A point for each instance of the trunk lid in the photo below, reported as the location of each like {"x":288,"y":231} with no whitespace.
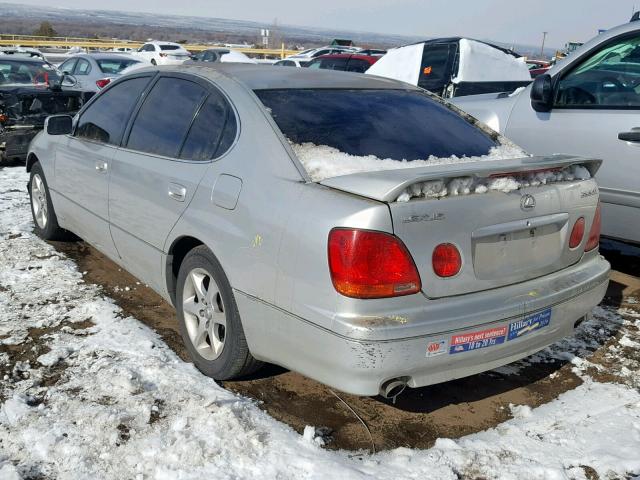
{"x":503,"y":237}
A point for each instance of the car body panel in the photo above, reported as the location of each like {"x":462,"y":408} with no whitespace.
{"x":577,"y":131}
{"x":272,"y":244}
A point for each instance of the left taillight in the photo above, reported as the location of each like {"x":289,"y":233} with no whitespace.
{"x":103,"y":82}
{"x":370,"y":264}
{"x":594,"y":233}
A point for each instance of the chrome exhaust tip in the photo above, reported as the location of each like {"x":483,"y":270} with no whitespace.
{"x":392,"y":388}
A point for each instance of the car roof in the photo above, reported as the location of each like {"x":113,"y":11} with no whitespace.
{"x":261,"y":77}
{"x":368,"y":58}
{"x":594,"y":43}
{"x":105,"y":56}
{"x":20,"y":58}
{"x":457,"y":39}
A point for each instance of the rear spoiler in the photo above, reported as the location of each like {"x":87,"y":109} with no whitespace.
{"x":388,"y":185}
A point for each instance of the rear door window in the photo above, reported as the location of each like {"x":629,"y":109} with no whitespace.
{"x":329,"y":63}
{"x":436,"y":66}
{"x":357,"y":65}
{"x":104,"y":120}
{"x":165,"y":116}
{"x":207,"y":130}
{"x":388,"y":124}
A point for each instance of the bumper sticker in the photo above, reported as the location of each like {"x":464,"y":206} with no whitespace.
{"x":529,"y":324}
{"x":475,"y":340}
{"x":436,"y":348}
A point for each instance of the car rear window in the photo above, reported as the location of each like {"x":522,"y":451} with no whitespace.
{"x":115,"y":65}
{"x":169,"y":47}
{"x":15,"y":72}
{"x":388,"y":124}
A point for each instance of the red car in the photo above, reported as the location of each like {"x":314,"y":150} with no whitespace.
{"x":538,"y":67}
{"x":347,"y":62}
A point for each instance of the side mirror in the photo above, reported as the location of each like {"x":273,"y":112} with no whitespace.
{"x":542,"y":93}
{"x":59,"y":124}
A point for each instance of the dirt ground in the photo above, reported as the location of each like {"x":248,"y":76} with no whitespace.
{"x":416,"y":420}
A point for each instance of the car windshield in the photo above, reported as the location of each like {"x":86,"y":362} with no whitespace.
{"x":115,"y":65}
{"x":16,"y":72}
{"x":170,"y":47}
{"x":386,"y":124}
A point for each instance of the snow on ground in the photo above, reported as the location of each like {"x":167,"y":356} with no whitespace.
{"x":89,"y":393}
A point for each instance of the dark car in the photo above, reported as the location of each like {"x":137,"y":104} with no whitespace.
{"x":345,"y":62}
{"x":455,"y":67}
{"x":29,"y":92}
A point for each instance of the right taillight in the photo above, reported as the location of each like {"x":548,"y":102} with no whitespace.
{"x":446,"y":260}
{"x":369,"y":264}
{"x":577,"y":233}
{"x":594,"y":233}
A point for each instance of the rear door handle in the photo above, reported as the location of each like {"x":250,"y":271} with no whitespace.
{"x":177,"y":192}
{"x":101,"y":167}
{"x":632,"y":136}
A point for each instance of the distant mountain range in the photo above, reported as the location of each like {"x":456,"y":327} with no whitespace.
{"x":71,"y":22}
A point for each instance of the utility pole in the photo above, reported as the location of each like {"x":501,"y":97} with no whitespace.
{"x":544,"y":37}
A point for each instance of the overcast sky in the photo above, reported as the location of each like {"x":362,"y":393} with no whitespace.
{"x":500,"y":20}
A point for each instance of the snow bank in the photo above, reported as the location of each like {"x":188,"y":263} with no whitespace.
{"x":236,"y":57}
{"x":322,"y":161}
{"x":480,"y":62}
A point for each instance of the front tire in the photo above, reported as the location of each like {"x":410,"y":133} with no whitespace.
{"x":44,"y":216}
{"x":208,"y":318}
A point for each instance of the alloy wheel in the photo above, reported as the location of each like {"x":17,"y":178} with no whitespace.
{"x":39,"y":201}
{"x":204,"y":313}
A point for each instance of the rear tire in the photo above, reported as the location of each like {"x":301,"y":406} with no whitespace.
{"x":208,"y":318}
{"x":44,"y":216}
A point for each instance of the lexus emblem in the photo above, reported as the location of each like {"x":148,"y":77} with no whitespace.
{"x":527,"y":202}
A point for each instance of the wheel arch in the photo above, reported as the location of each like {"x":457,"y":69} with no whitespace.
{"x":179,"y":249}
{"x":31,"y":160}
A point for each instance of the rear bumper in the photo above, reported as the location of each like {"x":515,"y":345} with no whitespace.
{"x":359,"y":366}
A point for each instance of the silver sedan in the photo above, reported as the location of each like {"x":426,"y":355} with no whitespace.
{"x":373,"y":239}
{"x":91,"y":72}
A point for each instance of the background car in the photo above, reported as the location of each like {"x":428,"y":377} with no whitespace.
{"x":29,"y":92}
{"x":163,"y":53}
{"x":223,"y":55}
{"x":537,"y":67}
{"x":454,"y":67}
{"x":588,"y":104}
{"x":312,"y":53}
{"x":281,"y":235}
{"x":22,"y":51}
{"x":292,"y":62}
{"x":94,"y":71}
{"x":348,"y":62}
